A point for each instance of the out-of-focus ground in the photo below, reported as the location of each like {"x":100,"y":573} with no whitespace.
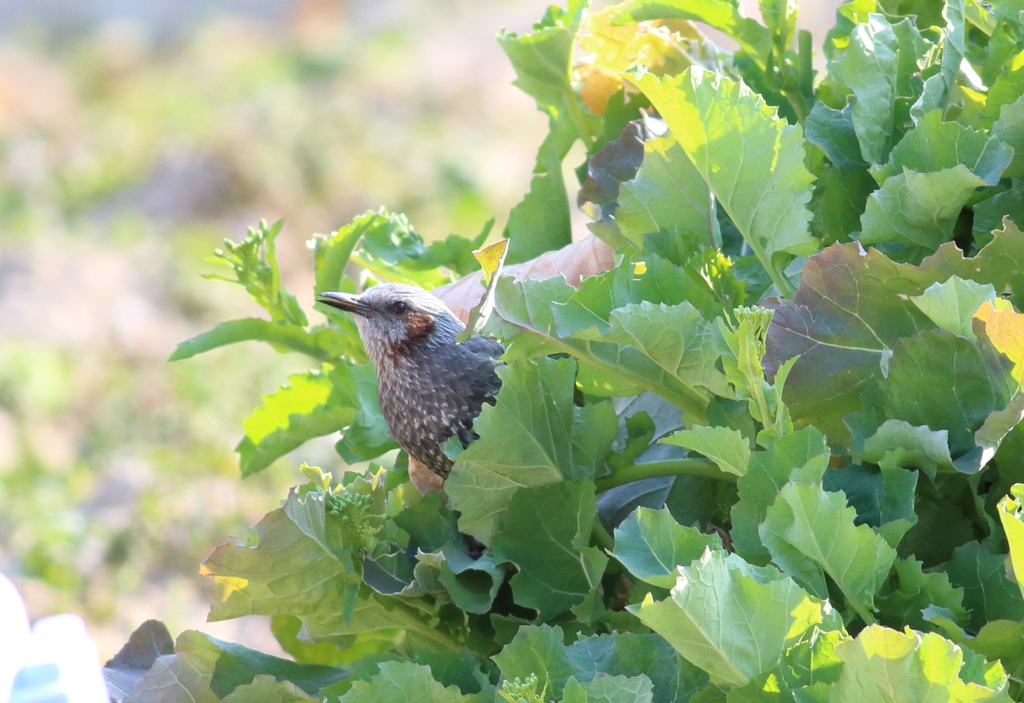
{"x":134,"y":136}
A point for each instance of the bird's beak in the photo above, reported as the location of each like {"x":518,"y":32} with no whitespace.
{"x":345,"y":301}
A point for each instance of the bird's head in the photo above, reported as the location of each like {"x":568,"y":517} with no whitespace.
{"x":394,"y":319}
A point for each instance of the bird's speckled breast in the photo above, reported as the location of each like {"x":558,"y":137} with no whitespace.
{"x":430,"y":395}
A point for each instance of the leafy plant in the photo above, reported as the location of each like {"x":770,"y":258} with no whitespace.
{"x":679,"y":496}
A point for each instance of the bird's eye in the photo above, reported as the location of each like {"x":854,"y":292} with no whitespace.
{"x":399,"y":307}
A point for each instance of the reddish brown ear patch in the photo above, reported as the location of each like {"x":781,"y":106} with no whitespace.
{"x":418,"y":326}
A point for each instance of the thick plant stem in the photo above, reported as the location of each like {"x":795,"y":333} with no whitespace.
{"x":600,"y":536}
{"x":675,"y":467}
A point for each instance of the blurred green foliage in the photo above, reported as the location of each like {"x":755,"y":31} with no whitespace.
{"x":125,"y":157}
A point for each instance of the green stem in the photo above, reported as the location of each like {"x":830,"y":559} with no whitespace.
{"x":600,"y":536}
{"x":673,"y":467}
{"x":806,"y":65}
{"x":786,"y":289}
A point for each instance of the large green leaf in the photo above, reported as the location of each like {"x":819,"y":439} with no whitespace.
{"x":942,"y":380}
{"x":545,"y":534}
{"x":886,"y":665}
{"x":933,"y":145}
{"x":732,"y":619}
{"x":403,"y":681}
{"x":266,"y":689}
{"x":533,"y":436}
{"x":820,"y":527}
{"x":541,"y":222}
{"x":651,"y":544}
{"x":804,"y":450}
{"x":850,"y":311}
{"x":988,"y":594}
{"x":301,"y":566}
{"x":883,"y":499}
{"x":668,"y":193}
{"x":880,"y":66}
{"x":542,"y":651}
{"x":999,"y":263}
{"x":904,"y":602}
{"x":669,"y":350}
{"x":311,"y":405}
{"x":752,"y":160}
{"x":610,"y":689}
{"x":918,"y":209}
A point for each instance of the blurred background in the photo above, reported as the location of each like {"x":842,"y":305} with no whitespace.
{"x":135,"y":135}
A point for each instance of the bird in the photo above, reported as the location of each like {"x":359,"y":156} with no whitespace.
{"x":430,"y":387}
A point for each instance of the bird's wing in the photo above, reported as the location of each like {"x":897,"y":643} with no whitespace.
{"x":486,"y":346}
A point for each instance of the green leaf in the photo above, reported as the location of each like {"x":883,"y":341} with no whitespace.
{"x":331,"y":252}
{"x":1000,"y":263}
{"x":1009,"y":129}
{"x":902,"y":603}
{"x":988,"y":594}
{"x":898,"y":444}
{"x":820,"y":527}
{"x":752,"y":160}
{"x":311,"y":405}
{"x":937,"y":88}
{"x":933,"y":145}
{"x":676,"y":338}
{"x":668,"y":193}
{"x":651,"y":544}
{"x":849,"y":313}
{"x":918,"y":209}
{"x":300,"y":566}
{"x":989,"y":214}
{"x":804,"y":450}
{"x":727,"y":447}
{"x":616,"y":689}
{"x":323,"y":344}
{"x":541,"y":221}
{"x":545,"y":534}
{"x":951,"y":305}
{"x":541,"y":651}
{"x":266,"y":689}
{"x":879,"y":66}
{"x":884,"y":500}
{"x":538,"y":650}
{"x":631,"y":655}
{"x":404,"y":681}
{"x":1013,"y":524}
{"x":533,"y":436}
{"x":184,"y":677}
{"x":886,"y":665}
{"x":619,"y":368}
{"x":724,"y":16}
{"x":832,"y":131}
{"x":732,"y":619}
{"x":1007,"y":88}
{"x":942,"y":380}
